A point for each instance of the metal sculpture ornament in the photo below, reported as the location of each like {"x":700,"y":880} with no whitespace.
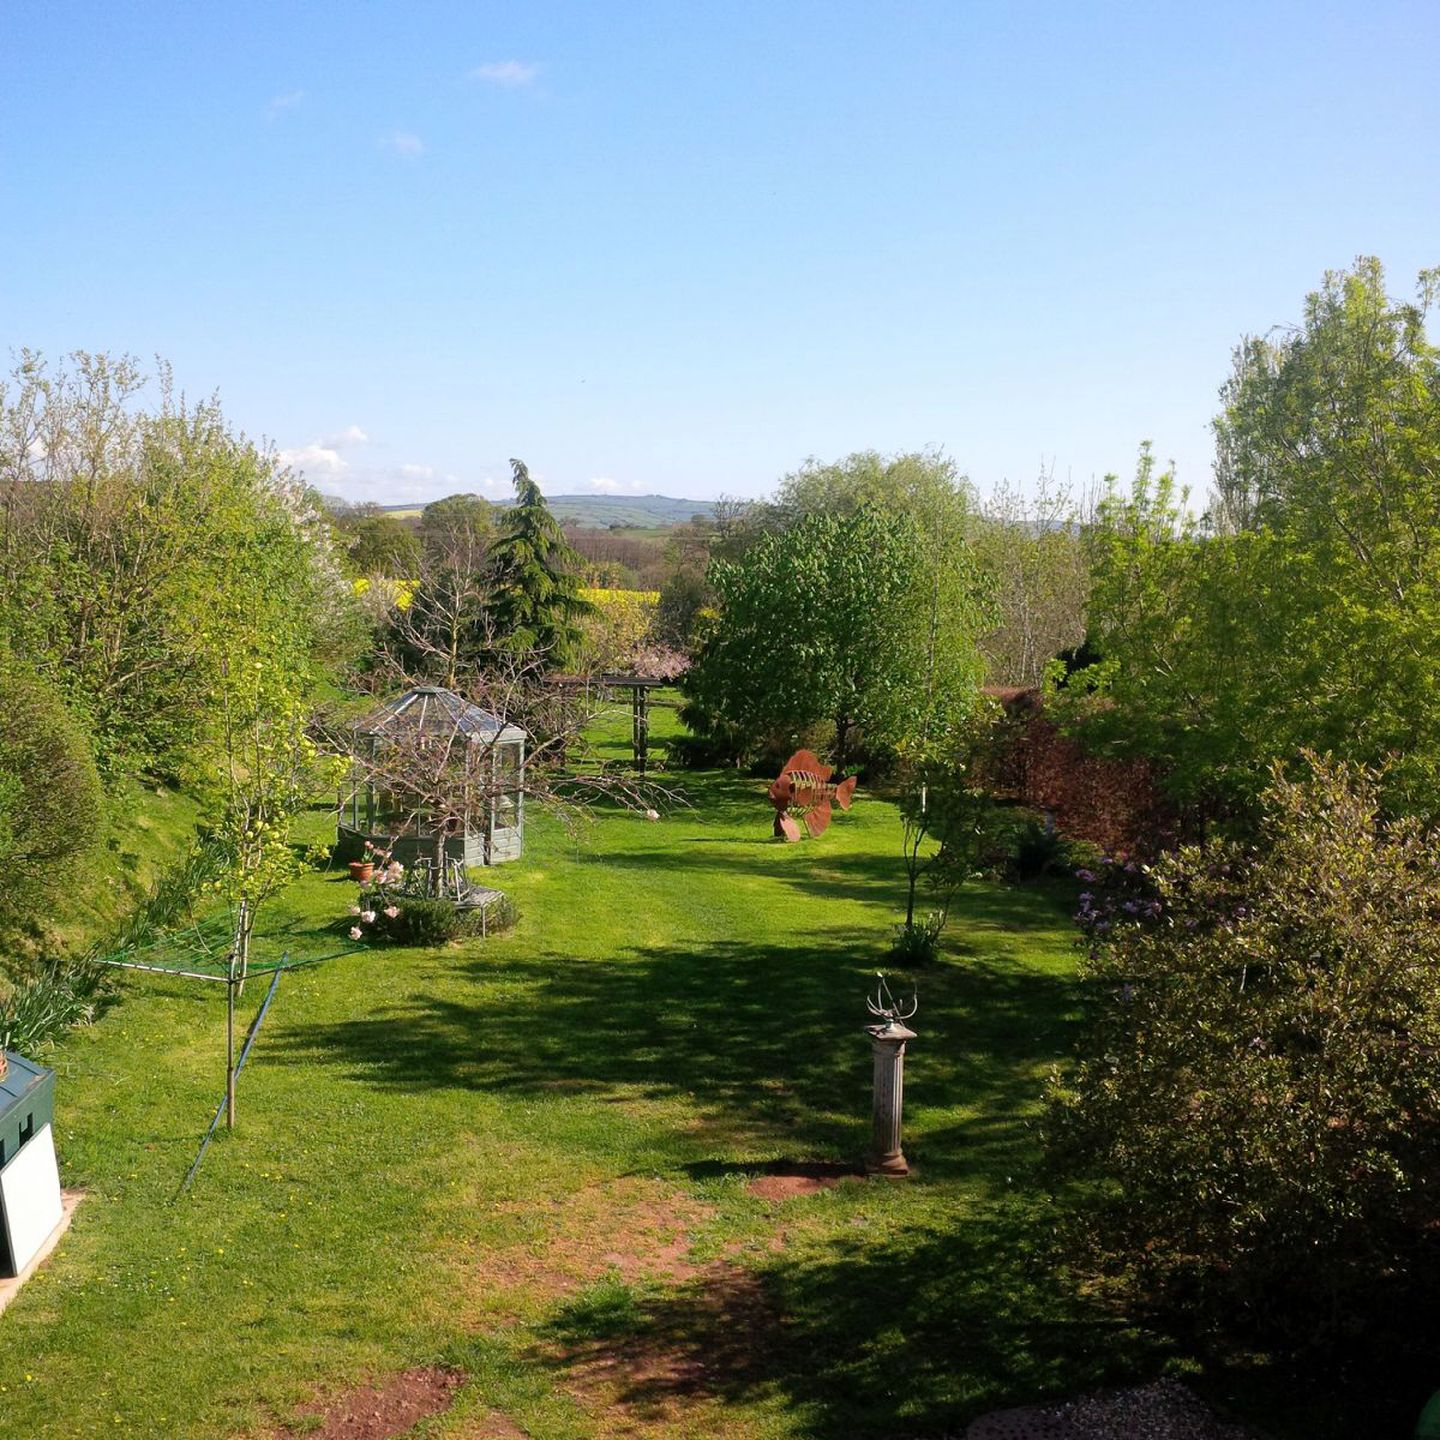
{"x":804,"y":790}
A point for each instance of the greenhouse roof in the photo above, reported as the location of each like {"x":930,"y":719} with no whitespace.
{"x":431,"y":710}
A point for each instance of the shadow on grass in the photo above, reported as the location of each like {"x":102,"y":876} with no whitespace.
{"x":911,"y":1327}
{"x":909,"y":1334}
{"x":763,"y":1040}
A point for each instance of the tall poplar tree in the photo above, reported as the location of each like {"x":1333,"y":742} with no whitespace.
{"x":536,"y":604}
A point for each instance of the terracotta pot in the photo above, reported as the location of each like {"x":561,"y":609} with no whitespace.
{"x":361,"y":871}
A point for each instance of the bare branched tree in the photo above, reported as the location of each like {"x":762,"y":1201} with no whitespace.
{"x":440,"y":777}
{"x":439,"y":627}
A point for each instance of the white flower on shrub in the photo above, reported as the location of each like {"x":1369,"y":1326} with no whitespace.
{"x":367,"y":917}
{"x":354,"y":932}
{"x":652,"y":814}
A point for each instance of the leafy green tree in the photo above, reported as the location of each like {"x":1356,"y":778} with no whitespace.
{"x":838,"y":619}
{"x":535,"y":601}
{"x":455,"y":532}
{"x":1304,"y":614}
{"x":946,"y":607}
{"x":923,"y":485}
{"x":383,"y":545}
{"x":1252,"y":1134}
{"x":124,"y":532}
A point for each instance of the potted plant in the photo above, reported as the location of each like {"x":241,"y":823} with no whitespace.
{"x":361,"y":871}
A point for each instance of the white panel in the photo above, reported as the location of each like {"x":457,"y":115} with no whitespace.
{"x":30,"y":1197}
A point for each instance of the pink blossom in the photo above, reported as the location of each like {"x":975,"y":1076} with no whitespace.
{"x":652,"y":814}
{"x":354,"y":909}
{"x":392,"y":911}
{"x":368,"y":917}
{"x":354,"y":932}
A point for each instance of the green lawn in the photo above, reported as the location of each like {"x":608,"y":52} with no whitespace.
{"x":527,"y":1158}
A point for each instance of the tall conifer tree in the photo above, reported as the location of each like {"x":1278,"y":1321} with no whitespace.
{"x":536,"y":603}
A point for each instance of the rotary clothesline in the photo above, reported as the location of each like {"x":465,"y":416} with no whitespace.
{"x":217,"y":949}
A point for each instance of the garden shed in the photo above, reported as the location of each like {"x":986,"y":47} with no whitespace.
{"x":430,"y":764}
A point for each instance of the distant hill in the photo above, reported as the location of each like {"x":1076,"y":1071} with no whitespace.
{"x":649,"y":512}
{"x":646,"y":512}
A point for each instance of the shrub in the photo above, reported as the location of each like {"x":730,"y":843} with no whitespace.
{"x":422,"y":920}
{"x":918,"y":942}
{"x":51,"y":803}
{"x":1256,"y":1121}
{"x":1037,"y":849}
{"x":419,"y":920}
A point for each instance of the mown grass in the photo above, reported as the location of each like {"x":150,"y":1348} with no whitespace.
{"x":528,"y":1158}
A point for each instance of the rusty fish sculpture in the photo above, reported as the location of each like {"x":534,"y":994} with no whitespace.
{"x":804,"y":789}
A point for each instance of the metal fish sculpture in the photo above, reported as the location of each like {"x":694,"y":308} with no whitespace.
{"x":804,"y":787}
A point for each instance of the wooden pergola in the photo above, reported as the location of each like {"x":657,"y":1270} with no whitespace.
{"x":638,"y":688}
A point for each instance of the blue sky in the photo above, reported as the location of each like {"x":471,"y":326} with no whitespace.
{"x":677,"y":248}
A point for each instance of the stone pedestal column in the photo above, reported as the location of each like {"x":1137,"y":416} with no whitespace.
{"x":888,"y":1044}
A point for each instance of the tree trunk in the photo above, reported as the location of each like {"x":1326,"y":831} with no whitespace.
{"x":437,"y":878}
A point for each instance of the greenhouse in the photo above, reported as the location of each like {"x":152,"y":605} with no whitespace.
{"x":430,"y":766}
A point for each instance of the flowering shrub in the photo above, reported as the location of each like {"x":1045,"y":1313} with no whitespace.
{"x":659,"y":661}
{"x":618,"y":626}
{"x":1118,"y":893}
{"x":381,"y":898}
{"x":395,"y":908}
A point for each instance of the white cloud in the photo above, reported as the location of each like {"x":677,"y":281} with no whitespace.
{"x":338,"y":466}
{"x":511,"y":74}
{"x":404,"y":143}
{"x":604,"y":485}
{"x":316,"y":462}
{"x":281,"y":103}
{"x":350,"y":464}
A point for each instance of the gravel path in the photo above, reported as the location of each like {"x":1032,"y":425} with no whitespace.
{"x":1164,"y":1410}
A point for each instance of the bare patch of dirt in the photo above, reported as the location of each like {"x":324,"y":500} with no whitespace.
{"x":383,"y":1411}
{"x":711,"y":1341}
{"x":786,"y":1179}
{"x":640,"y":1229}
{"x":496,"y":1427}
